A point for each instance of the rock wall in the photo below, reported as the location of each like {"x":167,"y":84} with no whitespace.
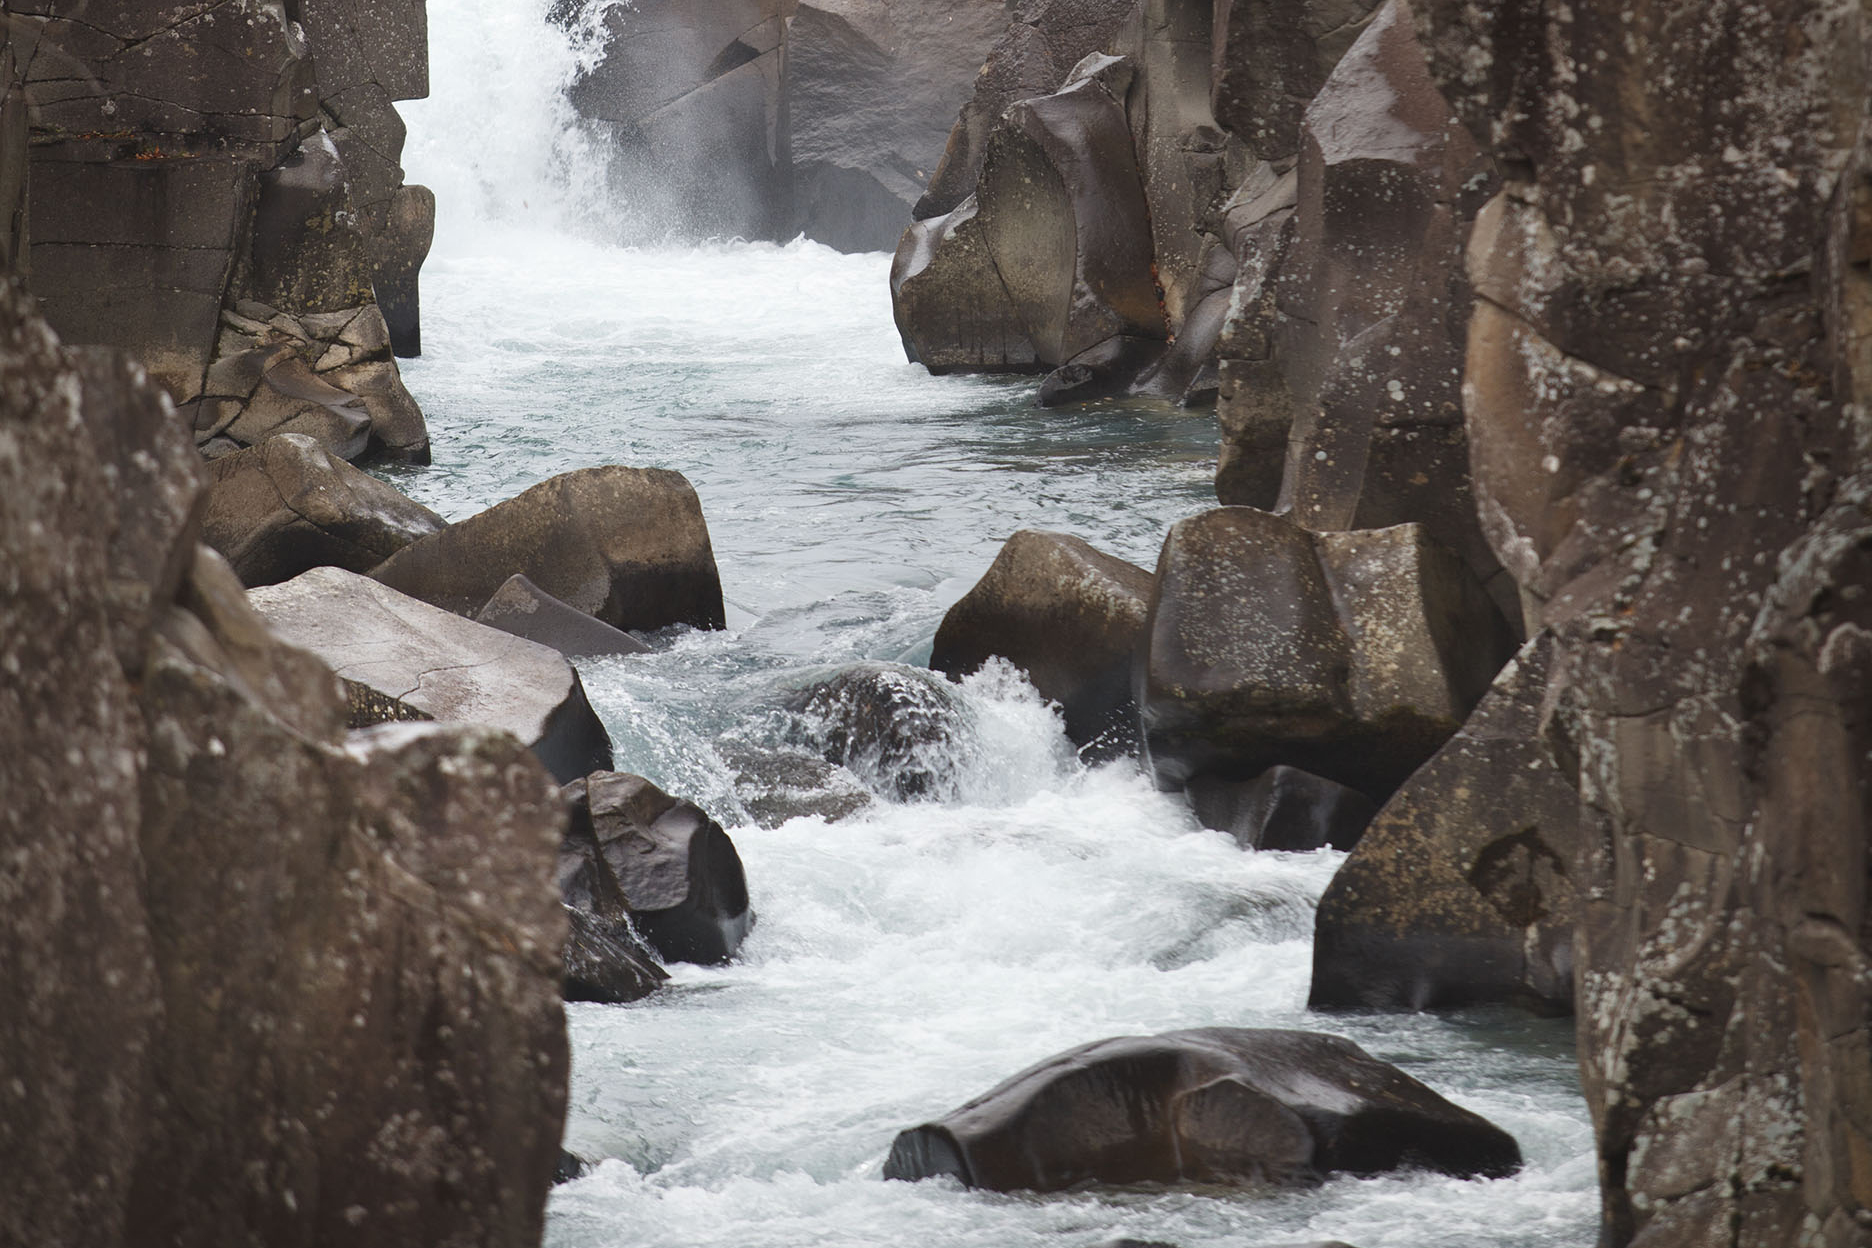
{"x":1664,"y":387}
{"x":205,"y":160}
{"x":266,"y":983}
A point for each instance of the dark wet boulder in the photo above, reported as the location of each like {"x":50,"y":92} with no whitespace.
{"x":665,"y":860}
{"x":607,"y":963}
{"x":1462,"y":890}
{"x":778,"y":784}
{"x":524,"y":609}
{"x":952,"y":311}
{"x":1100,"y":371}
{"x":571,"y":1166}
{"x":1352,"y":656}
{"x":627,"y":545}
{"x":892,"y":726}
{"x":1209,"y":1105}
{"x":445,"y":666}
{"x":289,"y":505}
{"x":1282,"y":808}
{"x":1066,"y":614}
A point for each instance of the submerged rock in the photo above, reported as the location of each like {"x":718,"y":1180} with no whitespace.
{"x":1214,"y":1105}
{"x":1067,"y":615}
{"x":444,"y":666}
{"x":778,"y":784}
{"x":627,"y":545}
{"x":664,"y":860}
{"x":892,"y":726}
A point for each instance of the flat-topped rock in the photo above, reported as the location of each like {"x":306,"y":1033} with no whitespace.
{"x":1209,"y":1105}
{"x":447,"y":667}
{"x":627,"y":545}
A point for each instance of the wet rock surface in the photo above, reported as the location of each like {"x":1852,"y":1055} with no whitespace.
{"x":1067,"y":615}
{"x":524,"y":609}
{"x":444,"y":666}
{"x":626,"y":545}
{"x":1214,"y":1104}
{"x":892,"y":726}
{"x":1282,"y":808}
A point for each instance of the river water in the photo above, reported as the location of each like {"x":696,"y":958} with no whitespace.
{"x":909,"y":957}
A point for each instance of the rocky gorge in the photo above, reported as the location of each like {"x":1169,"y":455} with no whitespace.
{"x":1518,"y":651}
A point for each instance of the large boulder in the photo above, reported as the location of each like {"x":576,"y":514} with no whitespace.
{"x":627,"y":545}
{"x":872,"y":87}
{"x":1067,"y":615}
{"x":445,"y":666}
{"x":1063,"y":224}
{"x":1461,"y":891}
{"x":1209,"y":1105}
{"x":952,"y":309}
{"x":1666,"y":424}
{"x":288,"y":505}
{"x":1352,"y":656}
{"x":669,"y":864}
{"x":524,"y":609}
{"x":265,"y":984}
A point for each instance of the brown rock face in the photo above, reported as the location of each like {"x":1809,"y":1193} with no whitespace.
{"x":1353,"y":656}
{"x":627,"y":545}
{"x":1664,"y":384}
{"x":1271,"y":57}
{"x":266,"y":985}
{"x":1214,"y":1104}
{"x":1067,"y":615}
{"x":1461,"y":890}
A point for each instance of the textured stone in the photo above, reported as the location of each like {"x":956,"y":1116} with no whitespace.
{"x":1214,"y":1105}
{"x":627,"y":545}
{"x":445,"y":666}
{"x":1271,"y":57}
{"x":524,"y":609}
{"x":891,"y":726}
{"x":1067,"y":615}
{"x":288,"y":505}
{"x":1282,"y":808}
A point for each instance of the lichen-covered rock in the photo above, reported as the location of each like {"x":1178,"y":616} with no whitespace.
{"x":627,"y":545}
{"x":1352,"y":656}
{"x":1210,"y":1105}
{"x":1664,"y":395}
{"x":669,"y":864}
{"x":1461,"y":890}
{"x":288,"y":505}
{"x":1067,"y":615}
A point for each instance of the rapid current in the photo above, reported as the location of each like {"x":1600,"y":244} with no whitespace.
{"x":909,"y":957}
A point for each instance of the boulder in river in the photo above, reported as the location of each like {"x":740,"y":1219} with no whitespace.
{"x":606,"y":963}
{"x":288,"y":505}
{"x":893,"y":726}
{"x":1067,"y":615}
{"x":671,"y":865}
{"x":1282,"y":808}
{"x":1352,"y":656}
{"x":1208,"y":1105}
{"x":445,"y":666}
{"x":1462,"y":891}
{"x":627,"y":545}
{"x":524,"y":609}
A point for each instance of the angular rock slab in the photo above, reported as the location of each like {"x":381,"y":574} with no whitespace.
{"x":606,"y":965}
{"x":1352,"y":656}
{"x":627,"y":545}
{"x":670,"y":864}
{"x":288,"y":505}
{"x":524,"y":609}
{"x":1461,"y":891}
{"x":1208,"y":1105}
{"x":1066,"y":614}
{"x":447,"y":667}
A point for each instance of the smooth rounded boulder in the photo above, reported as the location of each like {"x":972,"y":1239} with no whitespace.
{"x":1209,"y":1105}
{"x":669,"y":863}
{"x":447,"y":667}
{"x":524,"y":609}
{"x":1352,"y":656}
{"x":289,"y":505}
{"x":627,"y":545}
{"x":1066,"y":614}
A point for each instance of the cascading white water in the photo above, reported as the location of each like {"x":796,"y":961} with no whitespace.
{"x":913,"y":955}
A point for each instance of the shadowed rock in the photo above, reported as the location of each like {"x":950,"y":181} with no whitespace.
{"x":288,"y":505}
{"x":627,"y":545}
{"x":775,"y":785}
{"x":444,"y":666}
{"x":1209,"y":1105}
{"x":606,"y":965}
{"x":1067,"y":615}
{"x":666,"y":861}
{"x":1461,"y":891}
{"x":1282,"y":808}
{"x":524,"y":609}
{"x":1352,"y":656}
